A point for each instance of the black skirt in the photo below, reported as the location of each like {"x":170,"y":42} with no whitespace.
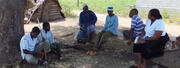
{"x":154,"y":48}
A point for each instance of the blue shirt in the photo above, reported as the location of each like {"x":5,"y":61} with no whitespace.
{"x":111,"y":24}
{"x":137,"y":24}
{"x":27,"y":43}
{"x":47,"y":36}
{"x":84,"y":20}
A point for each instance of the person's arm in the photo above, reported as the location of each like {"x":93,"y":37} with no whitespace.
{"x":131,"y":34}
{"x":28,"y":52}
{"x":156,"y":36}
{"x":94,"y":18}
{"x":80,"y":19}
{"x":25,"y":45}
{"x":116,"y":25}
{"x":133,"y":25}
{"x":51,"y":38}
{"x":32,"y":52}
{"x":106,"y":24}
{"x":39,"y":38}
{"x":160,"y":27}
{"x":143,"y":32}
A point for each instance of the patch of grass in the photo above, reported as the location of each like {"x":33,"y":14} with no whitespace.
{"x":143,"y":15}
{"x":100,"y":6}
{"x":67,"y":7}
{"x":167,"y":17}
{"x":120,"y":8}
{"x":165,"y":14}
{"x":174,"y":18}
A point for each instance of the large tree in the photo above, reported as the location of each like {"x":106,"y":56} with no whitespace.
{"x":11,"y":28}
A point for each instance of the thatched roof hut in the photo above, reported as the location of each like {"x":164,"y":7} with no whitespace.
{"x":45,"y":10}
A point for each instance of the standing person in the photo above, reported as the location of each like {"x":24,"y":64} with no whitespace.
{"x":47,"y":35}
{"x":28,"y":48}
{"x":155,"y":37}
{"x":110,"y":28}
{"x":137,"y":27}
{"x":87,"y":21}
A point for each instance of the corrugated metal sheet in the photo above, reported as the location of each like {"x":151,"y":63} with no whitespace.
{"x":169,"y":5}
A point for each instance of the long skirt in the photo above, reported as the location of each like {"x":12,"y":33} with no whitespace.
{"x":154,"y":48}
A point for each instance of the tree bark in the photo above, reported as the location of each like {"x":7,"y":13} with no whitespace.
{"x":11,"y":29}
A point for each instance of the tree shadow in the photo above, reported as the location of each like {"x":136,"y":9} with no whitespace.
{"x":115,"y":54}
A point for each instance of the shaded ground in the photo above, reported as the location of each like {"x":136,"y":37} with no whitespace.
{"x":113,"y":55}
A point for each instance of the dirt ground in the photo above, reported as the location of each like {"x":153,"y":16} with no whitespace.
{"x":115,"y":53}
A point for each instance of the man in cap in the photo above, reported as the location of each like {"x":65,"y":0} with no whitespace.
{"x":110,"y":28}
{"x":87,"y":21}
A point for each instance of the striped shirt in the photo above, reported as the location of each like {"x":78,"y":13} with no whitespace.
{"x":137,"y":24}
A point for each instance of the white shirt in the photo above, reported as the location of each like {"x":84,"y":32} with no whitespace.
{"x":27,"y":43}
{"x":47,"y":36}
{"x":158,"y":25}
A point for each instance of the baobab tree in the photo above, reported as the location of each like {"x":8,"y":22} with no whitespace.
{"x":11,"y":28}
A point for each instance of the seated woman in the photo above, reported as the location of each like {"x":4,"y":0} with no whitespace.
{"x":154,"y":39}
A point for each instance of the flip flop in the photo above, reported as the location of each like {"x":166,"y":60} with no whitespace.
{"x":90,"y":53}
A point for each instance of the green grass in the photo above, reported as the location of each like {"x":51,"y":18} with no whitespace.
{"x":120,"y":8}
{"x":100,"y":6}
{"x":67,"y":7}
{"x":170,"y":17}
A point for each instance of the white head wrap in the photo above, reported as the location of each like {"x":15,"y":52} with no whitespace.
{"x":84,"y":5}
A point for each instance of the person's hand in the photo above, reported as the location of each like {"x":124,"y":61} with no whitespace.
{"x":140,"y":40}
{"x":43,"y":39}
{"x":129,"y":42}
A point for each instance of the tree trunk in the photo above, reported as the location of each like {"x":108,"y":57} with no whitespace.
{"x":11,"y":29}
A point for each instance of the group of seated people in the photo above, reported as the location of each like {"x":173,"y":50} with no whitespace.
{"x":39,"y":43}
{"x":149,"y":39}
{"x":87,"y":21}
